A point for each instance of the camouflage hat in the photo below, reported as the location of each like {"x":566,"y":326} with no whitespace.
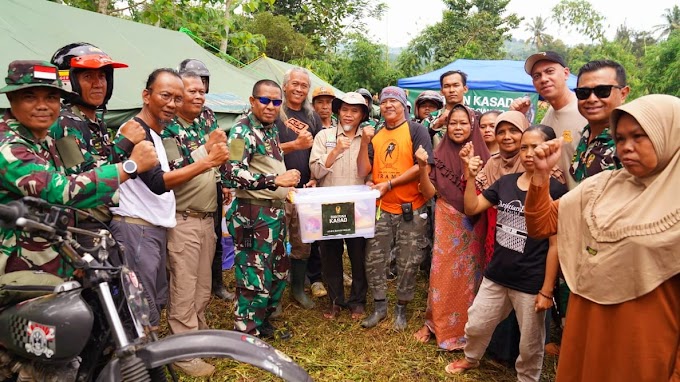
{"x":23,"y":74}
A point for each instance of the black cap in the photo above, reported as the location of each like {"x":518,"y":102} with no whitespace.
{"x":543,"y":56}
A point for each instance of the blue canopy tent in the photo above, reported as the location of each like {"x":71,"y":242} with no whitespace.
{"x":493,"y":84}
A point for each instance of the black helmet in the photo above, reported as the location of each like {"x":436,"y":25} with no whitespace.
{"x":76,"y":57}
{"x":367,"y":95}
{"x":198,"y":67}
{"x":430,"y":95}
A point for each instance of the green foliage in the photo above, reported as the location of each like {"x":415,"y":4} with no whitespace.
{"x":283,"y":42}
{"x":325,"y":22}
{"x":672,"y":16}
{"x":579,"y":16}
{"x":537,"y":27}
{"x":364,"y":64}
{"x":662,"y":66}
{"x":469,"y":29}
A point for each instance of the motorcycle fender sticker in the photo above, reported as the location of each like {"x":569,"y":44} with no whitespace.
{"x":41,"y":339}
{"x":254,"y":341}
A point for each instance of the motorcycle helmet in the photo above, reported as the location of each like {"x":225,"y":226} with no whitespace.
{"x":430,"y":95}
{"x":367,"y":95}
{"x":76,"y":57}
{"x":198,"y":67}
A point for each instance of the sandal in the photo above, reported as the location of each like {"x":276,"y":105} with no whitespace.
{"x":460,"y":366}
{"x":423,"y":335}
{"x":358,"y":312}
{"x":332,"y":313}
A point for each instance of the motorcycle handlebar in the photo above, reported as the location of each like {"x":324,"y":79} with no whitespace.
{"x":11,"y":212}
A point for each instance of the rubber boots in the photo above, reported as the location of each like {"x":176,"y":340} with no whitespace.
{"x":400,"y":321}
{"x":379,"y":314}
{"x":298,"y":271}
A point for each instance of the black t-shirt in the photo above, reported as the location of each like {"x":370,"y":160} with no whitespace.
{"x":518,"y":260}
{"x":298,"y":120}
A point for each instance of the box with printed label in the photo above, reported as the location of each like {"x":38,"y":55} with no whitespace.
{"x":335,"y":212}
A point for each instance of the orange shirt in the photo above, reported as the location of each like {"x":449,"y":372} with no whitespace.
{"x":392,"y":156}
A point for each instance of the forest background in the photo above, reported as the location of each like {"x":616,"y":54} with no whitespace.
{"x":330,"y":37}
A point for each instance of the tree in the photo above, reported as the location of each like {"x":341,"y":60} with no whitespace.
{"x":364,"y":64}
{"x":537,"y":27}
{"x":662,"y":66}
{"x":672,"y":17}
{"x":579,"y":16}
{"x":283,"y":42}
{"x":469,"y":29}
{"x":325,"y":22}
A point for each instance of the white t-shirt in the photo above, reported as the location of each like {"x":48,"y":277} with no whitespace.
{"x":568,"y":123}
{"x":136,"y":200}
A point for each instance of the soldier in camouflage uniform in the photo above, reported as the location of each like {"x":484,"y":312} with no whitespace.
{"x":256,"y":218}
{"x":218,"y":288}
{"x":453,"y":87}
{"x":31,"y":164}
{"x":81,"y":135}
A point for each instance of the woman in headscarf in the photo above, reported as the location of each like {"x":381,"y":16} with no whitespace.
{"x":458,"y":239}
{"x":618,"y":236}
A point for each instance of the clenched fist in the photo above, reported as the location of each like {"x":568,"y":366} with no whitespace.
{"x":218,"y":155}
{"x":216,"y":136}
{"x":144,"y":154}
{"x":304,"y":140}
{"x":133,"y":131}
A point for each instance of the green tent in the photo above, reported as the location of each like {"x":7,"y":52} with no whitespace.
{"x":35,"y":29}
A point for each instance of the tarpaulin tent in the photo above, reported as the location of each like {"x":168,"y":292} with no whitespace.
{"x":492,"y":84}
{"x":35,"y":29}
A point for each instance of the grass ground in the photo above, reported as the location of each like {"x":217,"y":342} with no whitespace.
{"x":343,"y":351}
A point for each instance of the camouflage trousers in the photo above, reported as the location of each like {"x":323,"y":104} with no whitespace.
{"x":411,"y":240}
{"x":260,"y":270}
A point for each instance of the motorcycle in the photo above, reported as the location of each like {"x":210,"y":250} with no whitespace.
{"x":97,"y":328}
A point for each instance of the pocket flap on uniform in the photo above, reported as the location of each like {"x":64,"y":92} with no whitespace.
{"x":69,"y":151}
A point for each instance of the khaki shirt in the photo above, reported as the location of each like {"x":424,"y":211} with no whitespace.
{"x":343,"y":172}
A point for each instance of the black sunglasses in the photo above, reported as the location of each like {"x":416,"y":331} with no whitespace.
{"x":601,"y":91}
{"x":265,"y":101}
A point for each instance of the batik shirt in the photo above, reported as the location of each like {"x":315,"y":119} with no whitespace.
{"x":31,"y":167}
{"x":594,"y":157}
{"x":92,"y":138}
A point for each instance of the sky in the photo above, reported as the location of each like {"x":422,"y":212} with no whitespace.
{"x":406,"y":18}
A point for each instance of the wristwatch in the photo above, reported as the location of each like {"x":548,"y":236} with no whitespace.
{"x":130,"y":168}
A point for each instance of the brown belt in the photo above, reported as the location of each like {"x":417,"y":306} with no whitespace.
{"x":195,"y":214}
{"x":262,"y":202}
{"x":131,"y":220}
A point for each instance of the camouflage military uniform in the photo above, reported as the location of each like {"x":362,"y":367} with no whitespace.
{"x":34,"y":168}
{"x":191,"y":243}
{"x":256,"y":221}
{"x":437,"y":135}
{"x":92,"y":138}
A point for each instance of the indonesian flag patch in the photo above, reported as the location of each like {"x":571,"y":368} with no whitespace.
{"x":44,"y":72}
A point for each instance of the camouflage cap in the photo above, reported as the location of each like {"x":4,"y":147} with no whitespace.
{"x":23,"y":74}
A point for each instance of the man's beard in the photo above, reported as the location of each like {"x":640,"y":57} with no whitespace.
{"x":347,"y":128}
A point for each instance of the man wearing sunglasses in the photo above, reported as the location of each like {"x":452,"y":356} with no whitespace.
{"x":601,"y":88}
{"x":549,"y":74}
{"x":257,"y":218}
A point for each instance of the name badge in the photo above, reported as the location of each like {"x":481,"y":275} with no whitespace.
{"x":331,"y":144}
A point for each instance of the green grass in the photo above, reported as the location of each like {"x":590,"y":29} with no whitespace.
{"x":341,"y":350}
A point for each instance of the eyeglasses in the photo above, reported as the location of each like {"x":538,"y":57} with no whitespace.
{"x":265,"y":101}
{"x":167,"y":97}
{"x":601,"y":91}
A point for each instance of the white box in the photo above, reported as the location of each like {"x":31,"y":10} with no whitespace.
{"x":336,"y":212}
